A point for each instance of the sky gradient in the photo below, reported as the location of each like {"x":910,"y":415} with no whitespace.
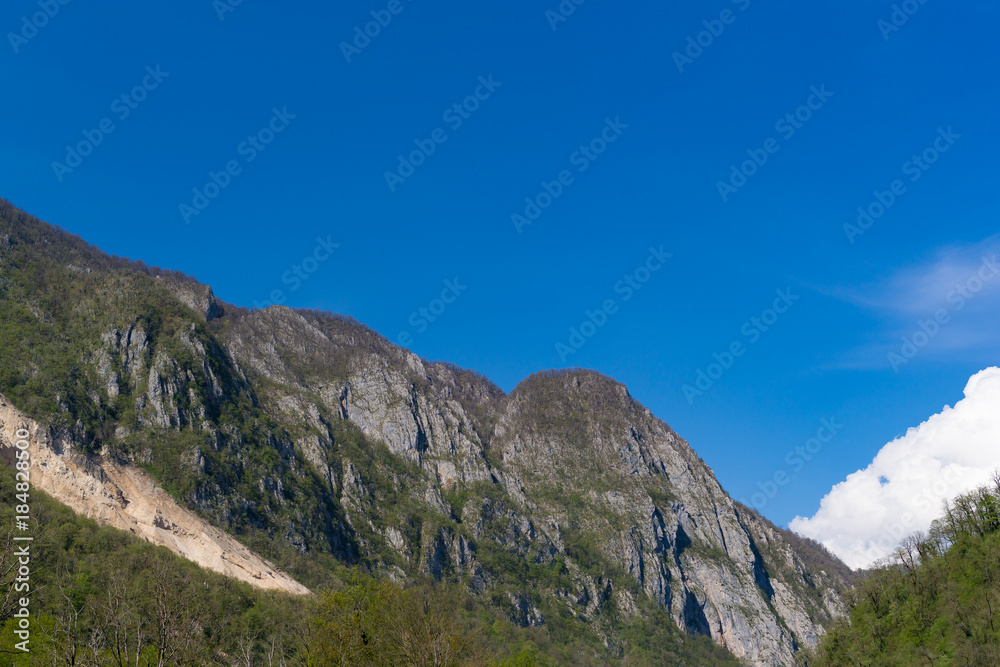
{"x":661,"y":190}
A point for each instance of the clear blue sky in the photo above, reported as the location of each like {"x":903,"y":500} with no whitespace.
{"x":549,"y":93}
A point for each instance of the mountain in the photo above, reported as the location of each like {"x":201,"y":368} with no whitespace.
{"x":280,"y":446}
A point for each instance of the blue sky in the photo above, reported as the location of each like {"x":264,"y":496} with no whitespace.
{"x":626,"y":143}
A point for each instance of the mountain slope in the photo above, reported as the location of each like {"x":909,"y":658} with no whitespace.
{"x":937,"y":602}
{"x":124,"y":497}
{"x":566,"y":504}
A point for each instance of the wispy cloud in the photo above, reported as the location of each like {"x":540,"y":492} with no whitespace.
{"x":960,"y":285}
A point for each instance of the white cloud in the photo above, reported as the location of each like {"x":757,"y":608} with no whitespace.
{"x":863,"y":518}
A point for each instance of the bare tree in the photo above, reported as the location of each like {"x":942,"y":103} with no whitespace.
{"x":246,"y":649}
{"x":120,"y":622}
{"x":908,"y":552}
{"x":8,"y":573}
{"x":176,"y":632}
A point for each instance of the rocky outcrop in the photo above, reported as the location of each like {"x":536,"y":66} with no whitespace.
{"x":565,"y":499}
{"x":569,"y":453}
{"x":124,"y":497}
{"x":195,"y":296}
{"x":656,"y":507}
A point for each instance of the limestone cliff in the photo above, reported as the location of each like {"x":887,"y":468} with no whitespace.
{"x":565,"y":501}
{"x":572,"y":454}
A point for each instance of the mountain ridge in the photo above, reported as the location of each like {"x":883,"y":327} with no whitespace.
{"x":565,"y":502}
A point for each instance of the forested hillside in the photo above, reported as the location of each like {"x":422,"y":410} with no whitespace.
{"x":937,"y":603}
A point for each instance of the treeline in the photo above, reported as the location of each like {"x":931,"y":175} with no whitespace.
{"x":935,"y":602}
{"x":17,"y":227}
{"x":100,"y":596}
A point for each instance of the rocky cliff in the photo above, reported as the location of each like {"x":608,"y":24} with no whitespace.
{"x":564,"y":502}
{"x":124,"y":497}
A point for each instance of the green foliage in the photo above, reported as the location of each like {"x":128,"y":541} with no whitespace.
{"x":58,"y":294}
{"x":99,"y":593}
{"x":660,"y":495}
{"x":457,"y":498}
{"x":63,"y":302}
{"x":938,"y":604}
{"x":650,"y":641}
{"x":374,"y":623}
{"x":708,"y":552}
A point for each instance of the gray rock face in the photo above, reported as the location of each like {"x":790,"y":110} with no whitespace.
{"x":656,"y":506}
{"x":122,"y":357}
{"x":563,"y":499}
{"x":571,"y":455}
{"x":195,"y":296}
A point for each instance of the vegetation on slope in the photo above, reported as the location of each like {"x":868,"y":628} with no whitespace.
{"x":102,"y":597}
{"x":222,"y":456}
{"x":937,"y":603}
{"x":226,"y":456}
